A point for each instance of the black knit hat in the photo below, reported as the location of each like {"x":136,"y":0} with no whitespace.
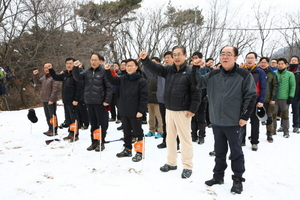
{"x":31,"y":116}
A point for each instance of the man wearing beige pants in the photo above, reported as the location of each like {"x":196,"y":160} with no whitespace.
{"x":182,"y":100}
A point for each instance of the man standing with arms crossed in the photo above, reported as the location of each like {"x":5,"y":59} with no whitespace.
{"x":232,"y":96}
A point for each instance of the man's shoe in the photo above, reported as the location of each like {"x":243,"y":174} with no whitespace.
{"x":278,"y":118}
{"x":186,"y":173}
{"x":111,"y":120}
{"x":212,"y":153}
{"x":70,"y":136}
{"x":167,"y":168}
{"x":144,"y":122}
{"x":286,"y":135}
{"x":84,"y":127}
{"x":138,"y":157}
{"x":120,"y":128}
{"x":254,"y":147}
{"x":213,"y":181}
{"x":50,"y":134}
{"x":98,"y":147}
{"x":125,"y":153}
{"x":280,"y":129}
{"x":295,"y":130}
{"x":162,"y":145}
{"x":270,"y":139}
{"x":194,"y":138}
{"x":92,"y":147}
{"x":133,"y":140}
{"x":118,"y":121}
{"x":237,"y":186}
{"x":243,"y":144}
{"x":63,"y":125}
{"x":74,"y":139}
{"x":201,"y":140}
{"x":158,"y":135}
{"x":45,"y":133}
{"x":150,"y":134}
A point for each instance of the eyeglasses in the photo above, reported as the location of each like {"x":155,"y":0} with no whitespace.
{"x":226,"y":55}
{"x":177,"y":55}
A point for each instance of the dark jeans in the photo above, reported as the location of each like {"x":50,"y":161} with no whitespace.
{"x":132,"y":124}
{"x":98,"y":117}
{"x":231,"y":136}
{"x":198,"y":121}
{"x":254,"y":121}
{"x":50,"y":110}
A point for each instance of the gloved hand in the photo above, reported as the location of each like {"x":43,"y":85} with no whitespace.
{"x":289,"y":100}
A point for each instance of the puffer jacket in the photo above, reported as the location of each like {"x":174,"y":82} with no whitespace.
{"x":97,"y":89}
{"x":133,"y":93}
{"x":49,"y":87}
{"x":287,"y":84}
{"x":180,"y":94}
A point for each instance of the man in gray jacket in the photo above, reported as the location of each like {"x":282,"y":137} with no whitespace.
{"x":232,"y":96}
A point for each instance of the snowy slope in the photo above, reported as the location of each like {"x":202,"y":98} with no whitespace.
{"x":30,"y":169}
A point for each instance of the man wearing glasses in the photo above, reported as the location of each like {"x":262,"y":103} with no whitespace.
{"x":182,"y":100}
{"x":232,"y":95}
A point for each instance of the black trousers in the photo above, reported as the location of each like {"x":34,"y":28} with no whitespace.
{"x":71,"y":114}
{"x":198,"y":123}
{"x":254,"y":121}
{"x":132,"y":124}
{"x":231,"y":136}
{"x":113,"y":106}
{"x":83,"y":113}
{"x":98,"y":117}
{"x":49,"y":111}
{"x":162,"y":109}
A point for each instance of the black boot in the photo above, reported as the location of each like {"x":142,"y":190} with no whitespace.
{"x":93,"y":146}
{"x":125,"y":153}
{"x":237,"y":186}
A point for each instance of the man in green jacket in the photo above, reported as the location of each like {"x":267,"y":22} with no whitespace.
{"x":287,"y":86}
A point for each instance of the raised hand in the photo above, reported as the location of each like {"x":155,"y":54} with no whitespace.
{"x":143,"y":54}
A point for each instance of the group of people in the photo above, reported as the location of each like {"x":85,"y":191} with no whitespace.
{"x":182,"y":99}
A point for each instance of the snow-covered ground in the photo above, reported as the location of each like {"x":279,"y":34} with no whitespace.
{"x":30,"y":169}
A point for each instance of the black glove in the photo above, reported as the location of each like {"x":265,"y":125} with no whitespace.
{"x":289,"y":100}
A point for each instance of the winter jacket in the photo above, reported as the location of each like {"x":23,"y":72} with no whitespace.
{"x":287,"y":84}
{"x":133,"y":91}
{"x":97,"y":89}
{"x":160,"y":85}
{"x":231,"y":95}
{"x":71,"y":89}
{"x":272,"y":86}
{"x":49,"y":87}
{"x":180,"y":94}
{"x":260,"y":82}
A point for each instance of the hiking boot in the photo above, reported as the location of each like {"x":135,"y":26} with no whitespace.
{"x":118,"y":121}
{"x":92,"y":147}
{"x":125,"y":153}
{"x":111,"y":120}
{"x":70,"y":136}
{"x":138,"y":157}
{"x":194,"y":138}
{"x":270,"y":139}
{"x":237,"y":186}
{"x":186,"y":173}
{"x":201,"y":140}
{"x":150,"y":134}
{"x":120,"y":128}
{"x":213,"y":181}
{"x":280,"y":129}
{"x":47,"y":132}
{"x":50,"y":134}
{"x":98,"y":147}
{"x":162,"y":145}
{"x":286,"y":135}
{"x":158,"y":135}
{"x":167,"y":168}
{"x":254,"y":147}
{"x":212,"y":153}
{"x":295,"y":130}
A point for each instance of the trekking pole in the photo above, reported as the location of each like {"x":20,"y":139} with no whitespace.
{"x":74,"y":133}
{"x":6,"y":103}
{"x":100,"y":139}
{"x":143,"y":155}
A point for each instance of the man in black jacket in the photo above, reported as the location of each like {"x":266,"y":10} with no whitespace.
{"x":97,"y":95}
{"x":71,"y":92}
{"x":182,"y":100}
